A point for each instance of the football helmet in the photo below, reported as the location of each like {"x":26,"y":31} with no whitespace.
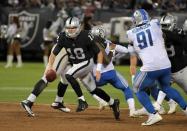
{"x":98,"y":31}
{"x":140,"y":16}
{"x":168,"y":22}
{"x":72,"y":27}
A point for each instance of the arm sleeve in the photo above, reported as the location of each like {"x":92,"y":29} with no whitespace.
{"x":59,"y":45}
{"x":121,"y":49}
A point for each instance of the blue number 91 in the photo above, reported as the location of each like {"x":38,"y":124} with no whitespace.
{"x":142,"y":41}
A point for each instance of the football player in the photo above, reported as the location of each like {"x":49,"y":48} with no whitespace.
{"x":81,"y":50}
{"x":60,"y":65}
{"x":108,"y":74}
{"x":147,"y":42}
{"x":175,"y":42}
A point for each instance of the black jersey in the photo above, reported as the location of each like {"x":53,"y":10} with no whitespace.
{"x":80,"y":49}
{"x":175,"y":44}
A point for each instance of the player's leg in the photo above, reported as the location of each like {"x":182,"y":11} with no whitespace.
{"x":78,"y":71}
{"x":59,"y":64}
{"x":143,"y":80}
{"x":38,"y":88}
{"x":61,"y":89}
{"x":90,"y":84}
{"x":59,"y":103}
{"x":164,"y":81}
{"x":120,"y":83}
{"x":181,"y":78}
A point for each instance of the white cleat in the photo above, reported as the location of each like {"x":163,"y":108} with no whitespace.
{"x":102,"y":105}
{"x":60,"y":106}
{"x":172,"y":106}
{"x":141,"y":112}
{"x":153,"y":118}
{"x":133,"y":113}
{"x":157,"y":106}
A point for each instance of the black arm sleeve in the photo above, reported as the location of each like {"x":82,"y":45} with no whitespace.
{"x":59,"y":45}
{"x":57,"y":49}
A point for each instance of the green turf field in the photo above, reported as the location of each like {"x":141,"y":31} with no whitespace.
{"x":17,"y":83}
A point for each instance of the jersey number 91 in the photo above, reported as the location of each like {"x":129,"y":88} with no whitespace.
{"x":144,"y":39}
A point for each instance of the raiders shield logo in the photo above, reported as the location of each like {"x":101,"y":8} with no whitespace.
{"x":29,"y":26}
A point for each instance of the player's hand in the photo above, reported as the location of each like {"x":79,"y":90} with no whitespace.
{"x":48,"y":67}
{"x":98,"y":75}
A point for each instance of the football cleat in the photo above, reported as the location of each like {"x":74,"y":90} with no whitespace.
{"x":102,"y":105}
{"x":27,"y":105}
{"x":60,"y":106}
{"x":115,"y":108}
{"x":172,"y":107}
{"x":82,"y":105}
{"x":153,"y":118}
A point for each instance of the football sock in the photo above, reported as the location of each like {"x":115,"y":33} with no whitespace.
{"x":75,"y":85}
{"x":61,"y":89}
{"x":175,"y":95}
{"x":38,"y":88}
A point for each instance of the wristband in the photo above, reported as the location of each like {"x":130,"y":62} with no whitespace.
{"x":99,"y":66}
{"x":132,"y":78}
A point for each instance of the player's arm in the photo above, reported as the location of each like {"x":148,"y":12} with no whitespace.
{"x":106,"y":58}
{"x":55,"y":51}
{"x":99,"y":65}
{"x":133,"y":61}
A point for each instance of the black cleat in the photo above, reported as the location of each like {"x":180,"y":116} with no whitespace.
{"x":27,"y":105}
{"x":115,"y":108}
{"x":82,"y":105}
{"x":60,"y":106}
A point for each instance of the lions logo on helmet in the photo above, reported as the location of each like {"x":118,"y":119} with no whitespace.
{"x":72,"y":27}
{"x":168,"y":22}
{"x":140,"y":17}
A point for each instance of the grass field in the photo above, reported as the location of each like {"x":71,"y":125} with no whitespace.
{"x":17,"y":83}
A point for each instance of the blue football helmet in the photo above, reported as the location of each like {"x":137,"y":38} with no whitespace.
{"x":140,"y":16}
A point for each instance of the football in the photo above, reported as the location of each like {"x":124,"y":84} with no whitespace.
{"x":51,"y":75}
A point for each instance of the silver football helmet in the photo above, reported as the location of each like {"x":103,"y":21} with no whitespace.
{"x":140,"y":16}
{"x":72,"y":27}
{"x":98,"y":31}
{"x":168,"y":22}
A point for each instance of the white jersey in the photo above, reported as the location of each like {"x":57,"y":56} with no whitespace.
{"x":148,"y":43}
{"x":110,"y":66}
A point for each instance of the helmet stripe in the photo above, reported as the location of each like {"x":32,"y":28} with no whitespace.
{"x":143,"y":14}
{"x":70,"y":20}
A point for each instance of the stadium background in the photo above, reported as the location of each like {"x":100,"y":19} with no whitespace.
{"x":16,"y":83}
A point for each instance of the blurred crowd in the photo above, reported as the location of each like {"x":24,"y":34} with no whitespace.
{"x":90,"y":8}
{"x":88,"y":11}
{"x":171,"y":5}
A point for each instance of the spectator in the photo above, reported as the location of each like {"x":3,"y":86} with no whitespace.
{"x":14,"y":41}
